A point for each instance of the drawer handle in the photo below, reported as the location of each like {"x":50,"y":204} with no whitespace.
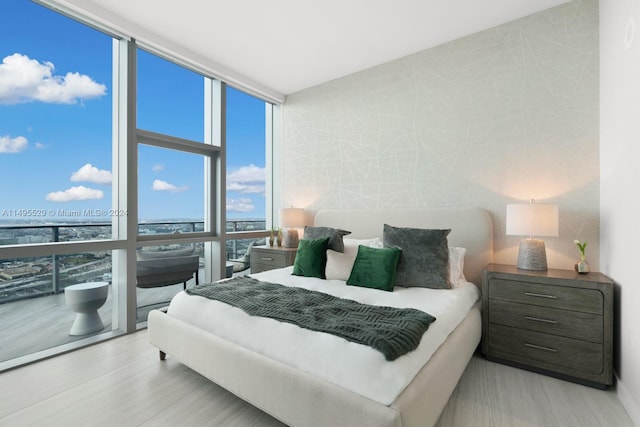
{"x":266,"y":259}
{"x":531,"y":294}
{"x":537,"y":319}
{"x":539,"y":347}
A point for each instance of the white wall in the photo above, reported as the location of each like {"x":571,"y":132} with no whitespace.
{"x":619,"y":183}
{"x":504,"y":115}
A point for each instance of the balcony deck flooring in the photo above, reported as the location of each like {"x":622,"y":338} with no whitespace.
{"x":37,"y":324}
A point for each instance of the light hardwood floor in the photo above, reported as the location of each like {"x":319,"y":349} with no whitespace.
{"x":122,"y":382}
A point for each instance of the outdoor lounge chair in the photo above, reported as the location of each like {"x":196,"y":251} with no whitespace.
{"x":156,"y":272}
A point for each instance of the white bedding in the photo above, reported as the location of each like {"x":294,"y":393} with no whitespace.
{"x":355,"y":367}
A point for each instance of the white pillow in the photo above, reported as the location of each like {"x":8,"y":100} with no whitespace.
{"x":340,"y":264}
{"x":456,"y":265}
{"x":353,"y":244}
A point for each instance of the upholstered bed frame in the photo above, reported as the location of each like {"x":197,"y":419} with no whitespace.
{"x":300,"y":399}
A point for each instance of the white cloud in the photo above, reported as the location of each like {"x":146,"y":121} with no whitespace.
{"x":241,"y":204}
{"x":90,"y":173}
{"x":157,"y":167}
{"x":12,"y":145}
{"x":251,"y":173}
{"x":23,"y":79}
{"x":40,"y":146}
{"x":159,"y":185}
{"x":75,"y":193}
{"x":244,"y":188}
{"x":247,"y":179}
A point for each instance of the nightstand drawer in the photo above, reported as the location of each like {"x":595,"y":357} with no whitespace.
{"x":562,"y":297}
{"x":270,"y":258}
{"x":572,"y":324}
{"x":545,"y":351}
{"x":265,"y":258}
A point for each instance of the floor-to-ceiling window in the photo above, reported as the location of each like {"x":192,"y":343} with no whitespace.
{"x":116,"y":161}
{"x":248,"y":195}
{"x":55,"y":170}
{"x":173,"y":171}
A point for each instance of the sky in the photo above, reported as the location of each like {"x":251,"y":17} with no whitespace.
{"x":56,"y":127}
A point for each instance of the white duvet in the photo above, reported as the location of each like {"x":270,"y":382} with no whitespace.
{"x":355,"y":367}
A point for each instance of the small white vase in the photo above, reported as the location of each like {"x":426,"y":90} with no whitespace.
{"x":582,"y":266}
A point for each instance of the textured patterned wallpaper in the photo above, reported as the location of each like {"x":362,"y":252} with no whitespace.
{"x":497,"y":117}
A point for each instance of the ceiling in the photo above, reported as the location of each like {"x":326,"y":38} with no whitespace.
{"x":277,"y":47}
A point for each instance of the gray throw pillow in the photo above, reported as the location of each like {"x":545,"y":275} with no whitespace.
{"x":424,"y":261}
{"x":334,"y":235}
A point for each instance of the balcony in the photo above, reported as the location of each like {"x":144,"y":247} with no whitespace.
{"x":33,"y":310}
{"x":38,"y":324}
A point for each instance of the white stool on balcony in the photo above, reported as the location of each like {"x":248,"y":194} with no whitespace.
{"x":85,"y":299}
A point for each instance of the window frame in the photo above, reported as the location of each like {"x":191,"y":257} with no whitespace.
{"x":210,"y":153}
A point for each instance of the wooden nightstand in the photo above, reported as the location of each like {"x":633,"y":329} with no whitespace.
{"x":555,"y":322}
{"x":269,"y":257}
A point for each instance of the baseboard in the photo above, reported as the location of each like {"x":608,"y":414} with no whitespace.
{"x":630,"y":404}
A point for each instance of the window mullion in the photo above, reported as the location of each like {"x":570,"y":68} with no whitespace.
{"x":125,"y":185}
{"x":214,"y":185}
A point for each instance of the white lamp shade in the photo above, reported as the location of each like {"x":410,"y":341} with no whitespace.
{"x":292,"y":217}
{"x":290,"y":220}
{"x":532,"y":219}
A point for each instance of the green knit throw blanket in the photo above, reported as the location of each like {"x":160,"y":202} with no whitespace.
{"x":392,"y":331}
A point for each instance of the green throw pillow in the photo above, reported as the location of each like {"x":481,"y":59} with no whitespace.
{"x":375,"y":268}
{"x":311,"y":258}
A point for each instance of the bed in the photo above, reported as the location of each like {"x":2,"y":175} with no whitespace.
{"x":300,"y":398}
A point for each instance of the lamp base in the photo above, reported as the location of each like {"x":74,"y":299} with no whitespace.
{"x":532,"y":255}
{"x":290,"y":238}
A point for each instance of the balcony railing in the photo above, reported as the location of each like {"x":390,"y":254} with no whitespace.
{"x":33,"y":277}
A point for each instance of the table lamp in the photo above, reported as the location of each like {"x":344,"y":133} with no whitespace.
{"x":290,"y":220}
{"x":532,"y":219}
